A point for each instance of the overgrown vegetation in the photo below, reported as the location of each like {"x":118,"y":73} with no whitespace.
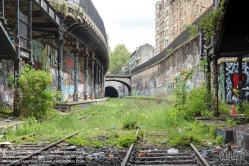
{"x":211,"y":22}
{"x":113,"y":124}
{"x":181,"y":86}
{"x":192,"y":29}
{"x":35,"y":98}
{"x":169,"y":51}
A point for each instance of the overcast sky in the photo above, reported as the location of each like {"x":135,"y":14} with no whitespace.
{"x":128,"y":22}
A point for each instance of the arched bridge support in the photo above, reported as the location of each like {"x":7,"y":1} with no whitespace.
{"x":126,"y":80}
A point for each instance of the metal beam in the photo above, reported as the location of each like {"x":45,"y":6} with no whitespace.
{"x":223,"y":27}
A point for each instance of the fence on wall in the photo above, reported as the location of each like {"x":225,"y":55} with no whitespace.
{"x":180,"y":39}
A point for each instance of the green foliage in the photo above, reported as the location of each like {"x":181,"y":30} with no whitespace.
{"x":245,"y":109}
{"x":129,"y":124}
{"x":57,"y":6}
{"x":224,"y":108}
{"x":230,"y":122}
{"x":183,"y":140}
{"x":212,"y":130}
{"x":169,"y":51}
{"x":198,"y":101}
{"x":192,"y":30}
{"x":181,"y":87}
{"x":219,"y":141}
{"x":64,"y":8}
{"x":105,"y":122}
{"x":210,"y":22}
{"x":126,"y":141}
{"x":6,"y":112}
{"x":44,"y":60}
{"x":118,"y":58}
{"x":35,"y":99}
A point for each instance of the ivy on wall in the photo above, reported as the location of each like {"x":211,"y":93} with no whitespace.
{"x":210,"y":22}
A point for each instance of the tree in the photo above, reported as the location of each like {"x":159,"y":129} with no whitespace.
{"x":118,"y":58}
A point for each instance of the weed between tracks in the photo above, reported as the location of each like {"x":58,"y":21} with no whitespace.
{"x":114,"y":124}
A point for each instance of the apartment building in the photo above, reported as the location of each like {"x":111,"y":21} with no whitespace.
{"x":173,"y":15}
{"x":162,"y":25}
{"x":140,"y":55}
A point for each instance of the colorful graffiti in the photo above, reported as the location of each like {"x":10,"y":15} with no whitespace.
{"x":6,"y":69}
{"x":232,"y":80}
{"x":164,"y":82}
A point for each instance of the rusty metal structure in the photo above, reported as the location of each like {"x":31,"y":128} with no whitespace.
{"x":68,"y":26}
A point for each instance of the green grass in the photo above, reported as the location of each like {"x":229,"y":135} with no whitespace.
{"x":114,"y":124}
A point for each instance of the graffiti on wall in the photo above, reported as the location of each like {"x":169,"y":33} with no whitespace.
{"x":6,"y":69}
{"x":232,"y":80}
{"x":164,"y":82}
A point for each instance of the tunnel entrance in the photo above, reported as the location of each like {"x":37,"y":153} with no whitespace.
{"x":111,"y":92}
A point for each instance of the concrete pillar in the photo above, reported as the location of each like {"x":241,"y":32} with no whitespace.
{"x":76,"y":74}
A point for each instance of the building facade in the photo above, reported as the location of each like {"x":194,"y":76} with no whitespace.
{"x":173,"y":15}
{"x":140,"y":55}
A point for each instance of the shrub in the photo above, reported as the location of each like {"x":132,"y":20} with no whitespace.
{"x":219,"y":141}
{"x":183,"y":140}
{"x":199,"y":101}
{"x":126,"y":141}
{"x":129,"y":124}
{"x":35,"y":98}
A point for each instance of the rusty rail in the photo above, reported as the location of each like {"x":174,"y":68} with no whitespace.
{"x":129,"y":151}
{"x":28,"y":135}
{"x":43,"y":149}
{"x":199,"y":155}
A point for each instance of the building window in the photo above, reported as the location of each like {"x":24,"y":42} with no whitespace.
{"x":166,"y":22}
{"x":166,"y":42}
{"x":166,"y":33}
{"x":166,"y":3}
{"x":166,"y":13}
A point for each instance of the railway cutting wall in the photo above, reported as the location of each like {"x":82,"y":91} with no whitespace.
{"x":159,"y":78}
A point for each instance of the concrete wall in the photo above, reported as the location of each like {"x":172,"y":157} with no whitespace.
{"x":159,"y":78}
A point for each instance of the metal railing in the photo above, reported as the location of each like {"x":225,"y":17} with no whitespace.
{"x":180,"y":39}
{"x":92,"y":12}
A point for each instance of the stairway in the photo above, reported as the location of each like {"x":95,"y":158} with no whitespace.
{"x":7,"y":47}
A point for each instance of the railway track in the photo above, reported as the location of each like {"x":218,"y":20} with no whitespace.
{"x":141,"y":156}
{"x":58,"y":153}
